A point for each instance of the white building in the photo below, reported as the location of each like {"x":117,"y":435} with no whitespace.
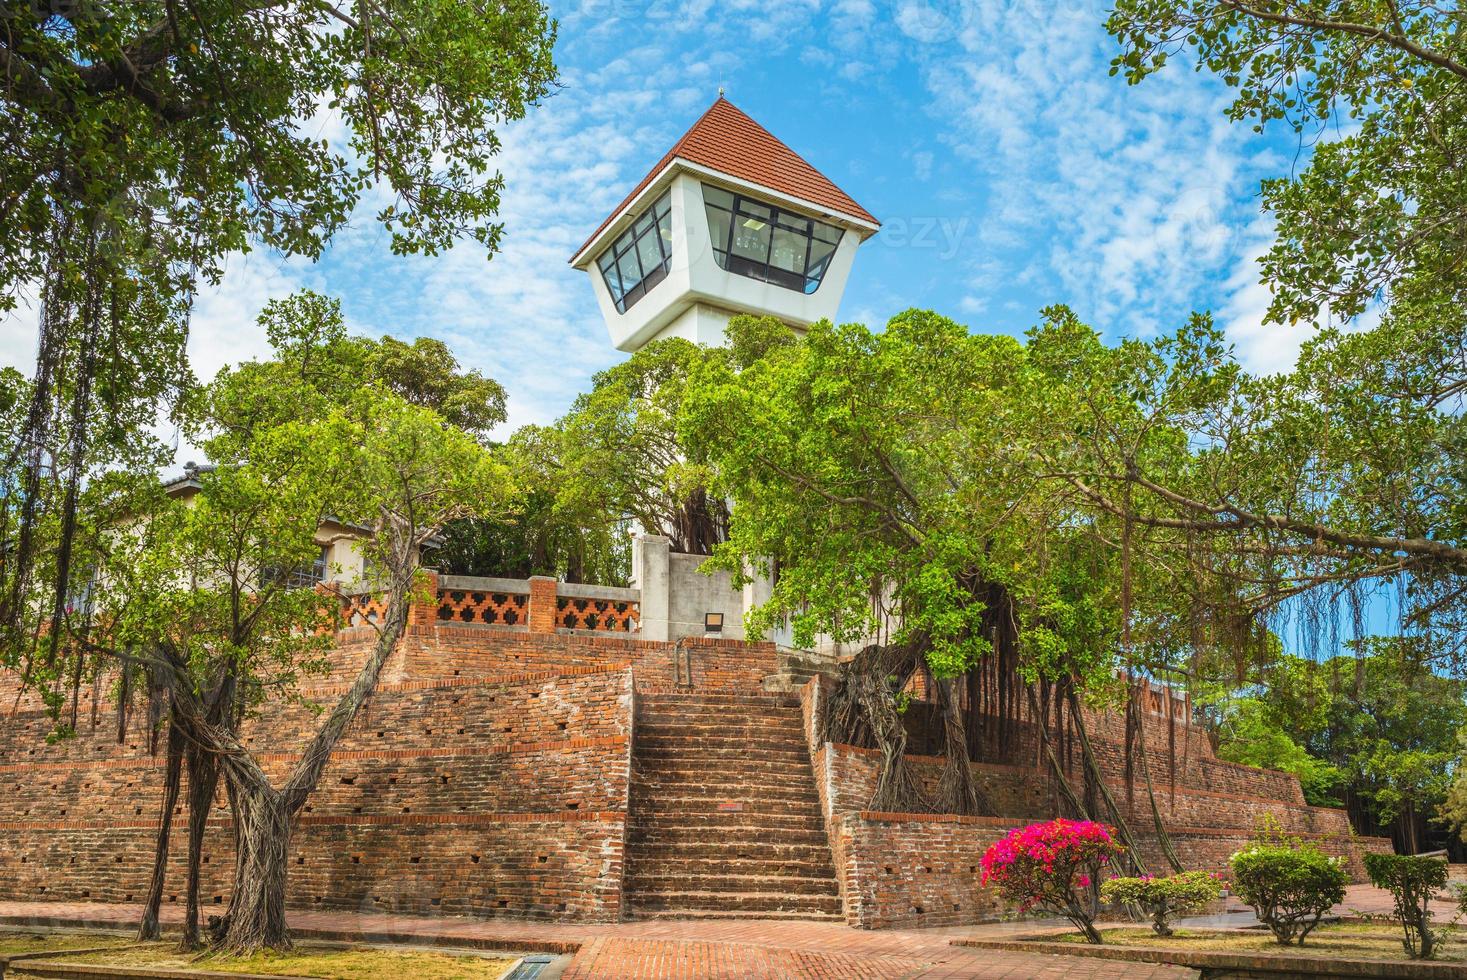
{"x":729,"y":221}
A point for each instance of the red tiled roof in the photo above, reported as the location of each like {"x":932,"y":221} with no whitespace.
{"x":725,"y":139}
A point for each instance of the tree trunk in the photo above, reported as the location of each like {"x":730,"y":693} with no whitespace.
{"x":1098,"y":778}
{"x":263,"y":815}
{"x":203,"y":785}
{"x":956,"y":790}
{"x":1083,"y":921}
{"x":262,"y":829}
{"x":862,"y":710}
{"x":1162,"y":837}
{"x":150,"y":929}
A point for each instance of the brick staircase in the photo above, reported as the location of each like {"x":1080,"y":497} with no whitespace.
{"x":725,"y":822}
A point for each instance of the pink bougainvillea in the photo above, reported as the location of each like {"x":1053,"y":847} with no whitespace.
{"x":1042,"y":865}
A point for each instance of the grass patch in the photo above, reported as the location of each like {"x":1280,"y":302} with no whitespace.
{"x":13,"y":943}
{"x":324,"y":964}
{"x":1360,"y":941}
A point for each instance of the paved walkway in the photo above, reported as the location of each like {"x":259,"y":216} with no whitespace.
{"x":736,"y":949}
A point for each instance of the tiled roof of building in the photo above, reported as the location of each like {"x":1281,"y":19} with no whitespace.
{"x":725,"y":139}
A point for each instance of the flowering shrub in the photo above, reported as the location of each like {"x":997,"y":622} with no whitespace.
{"x":1041,"y":866}
{"x":1290,"y":888}
{"x":1412,"y":882}
{"x":1164,"y":898}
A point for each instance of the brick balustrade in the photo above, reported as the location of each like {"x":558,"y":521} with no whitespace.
{"x":540,"y":605}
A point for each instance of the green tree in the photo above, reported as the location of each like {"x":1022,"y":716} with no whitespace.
{"x":189,"y":598}
{"x":1249,"y":737}
{"x":546,"y":529}
{"x":886,"y":482}
{"x":318,"y":365}
{"x":1379,"y":209}
{"x":1373,"y":731}
{"x":1340,"y":473}
{"x":199,"y":593}
{"x":617,"y":455}
{"x":144,"y":140}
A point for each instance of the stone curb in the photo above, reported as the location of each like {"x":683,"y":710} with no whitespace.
{"x":1282,"y":966}
{"x":7,"y":959}
{"x":485,"y":943}
{"x":102,"y":971}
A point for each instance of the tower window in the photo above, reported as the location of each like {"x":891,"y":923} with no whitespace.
{"x":767,"y":243}
{"x":640,"y":256}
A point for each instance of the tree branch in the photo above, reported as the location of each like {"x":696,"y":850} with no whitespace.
{"x":1398,"y":41}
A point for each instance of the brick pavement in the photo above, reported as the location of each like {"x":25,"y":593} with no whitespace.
{"x":732,"y":949}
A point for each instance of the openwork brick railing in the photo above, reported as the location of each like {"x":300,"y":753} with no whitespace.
{"x":490,"y":601}
{"x":364,"y":608}
{"x":596,"y":613}
{"x":541,"y":604}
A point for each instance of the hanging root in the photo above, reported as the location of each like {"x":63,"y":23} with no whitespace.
{"x":1096,"y":780}
{"x":862,"y":711}
{"x":956,"y":790}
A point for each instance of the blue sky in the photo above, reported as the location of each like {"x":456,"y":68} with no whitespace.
{"x":1010,"y":172}
{"x":1009,"y":169}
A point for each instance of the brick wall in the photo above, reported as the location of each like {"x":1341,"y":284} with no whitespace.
{"x":922,"y":869}
{"x":489,"y":776}
{"x":914,"y":869}
{"x":454,"y":650}
{"x":477,"y":796}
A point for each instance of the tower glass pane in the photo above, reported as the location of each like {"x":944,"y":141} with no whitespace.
{"x":765,"y":242}
{"x":640,"y":256}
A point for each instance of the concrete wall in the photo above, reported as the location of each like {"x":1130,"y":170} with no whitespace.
{"x":675,"y":595}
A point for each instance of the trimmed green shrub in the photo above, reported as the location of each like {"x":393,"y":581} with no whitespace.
{"x":1290,"y":888}
{"x":1162,"y":899}
{"x":1412,"y":881}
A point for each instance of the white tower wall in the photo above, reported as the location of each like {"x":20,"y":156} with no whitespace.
{"x":697,"y":297}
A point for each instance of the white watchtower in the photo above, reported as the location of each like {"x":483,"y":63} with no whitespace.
{"x":729,"y":221}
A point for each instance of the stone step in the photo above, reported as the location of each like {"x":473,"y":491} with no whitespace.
{"x":658,"y":792}
{"x":660,"y":873}
{"x":766,"y":810}
{"x":642,"y":836}
{"x":649,"y":914}
{"x":714,"y":901}
{"x":679,"y":773}
{"x":686,"y":857}
{"x":783,"y":764}
{"x":717,"y":852}
{"x":714,"y":737}
{"x":787,"y":680}
{"x":769,"y":797}
{"x":688,"y":755}
{"x":702,"y":745}
{"x":707,"y":751}
{"x":713,"y":722}
{"x":699,"y":698}
{"x":767,"y":882}
{"x":704,"y":714}
{"x":769,"y":710}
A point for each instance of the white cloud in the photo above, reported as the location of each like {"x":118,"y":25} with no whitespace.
{"x":18,"y":333}
{"x":1131,"y":203}
{"x":1133,"y":195}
